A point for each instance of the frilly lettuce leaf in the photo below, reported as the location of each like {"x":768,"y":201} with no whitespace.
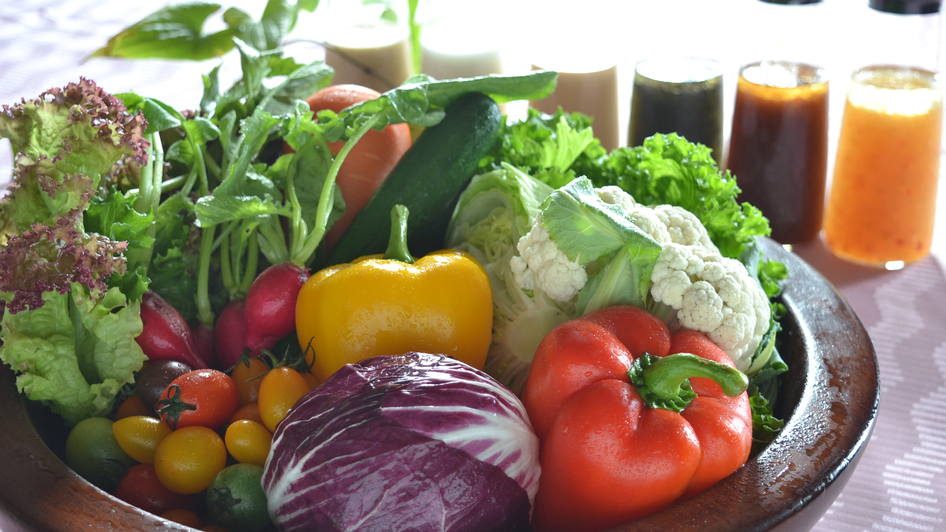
{"x":74,"y":353}
{"x":547,"y":147}
{"x":68,"y":144}
{"x":668,"y":169}
{"x":64,"y":142}
{"x":52,"y":259}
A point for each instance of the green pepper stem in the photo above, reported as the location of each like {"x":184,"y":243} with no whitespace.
{"x":397,"y":243}
{"x":664,"y":382}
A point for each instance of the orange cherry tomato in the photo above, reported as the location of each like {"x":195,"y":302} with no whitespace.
{"x":250,"y":412}
{"x":280,"y":389}
{"x":132,"y":406}
{"x":184,"y":517}
{"x":248,"y":375}
{"x":311,"y":380}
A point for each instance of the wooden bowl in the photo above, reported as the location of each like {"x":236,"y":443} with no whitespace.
{"x":829,"y":400}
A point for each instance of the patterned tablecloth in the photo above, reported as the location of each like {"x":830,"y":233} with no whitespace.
{"x":899,"y":484}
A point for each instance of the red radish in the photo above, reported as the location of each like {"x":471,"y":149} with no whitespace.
{"x":270,"y":308}
{"x":370,"y":160}
{"x":230,"y":334}
{"x":165,"y":334}
{"x":204,"y":342}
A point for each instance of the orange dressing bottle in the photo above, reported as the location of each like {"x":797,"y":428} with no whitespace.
{"x":883,"y":197}
{"x":882,"y":203}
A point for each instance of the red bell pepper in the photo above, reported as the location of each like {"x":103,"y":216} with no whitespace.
{"x":630,"y":419}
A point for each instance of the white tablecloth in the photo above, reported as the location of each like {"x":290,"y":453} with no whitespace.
{"x":900,"y":483}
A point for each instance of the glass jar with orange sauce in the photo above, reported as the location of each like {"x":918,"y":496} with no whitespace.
{"x":882,"y":202}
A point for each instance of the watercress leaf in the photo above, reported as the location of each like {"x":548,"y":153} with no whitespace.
{"x":173,"y":219}
{"x":255,"y":130}
{"x":227,"y":126}
{"x":174,"y":278}
{"x":299,"y":84}
{"x":278,"y":19}
{"x":133,"y":283}
{"x":160,"y":116}
{"x":208,"y":100}
{"x":421,"y":99}
{"x":201,"y":130}
{"x":180,"y":151}
{"x":255,"y":67}
{"x":172,"y":32}
{"x":213,"y":210}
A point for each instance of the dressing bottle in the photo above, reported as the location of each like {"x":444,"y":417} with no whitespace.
{"x":882,"y":203}
{"x":778,"y":148}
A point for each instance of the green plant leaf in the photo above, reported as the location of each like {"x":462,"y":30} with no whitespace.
{"x":172,"y":32}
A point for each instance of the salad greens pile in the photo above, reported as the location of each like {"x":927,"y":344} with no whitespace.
{"x":115,"y":195}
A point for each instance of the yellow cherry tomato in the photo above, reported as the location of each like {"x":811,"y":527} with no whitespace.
{"x":248,"y":442}
{"x":139,"y":436}
{"x":188,"y":459}
{"x":280,"y":389}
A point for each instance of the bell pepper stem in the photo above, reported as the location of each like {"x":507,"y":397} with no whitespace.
{"x":664,"y":382}
{"x":397,"y":244}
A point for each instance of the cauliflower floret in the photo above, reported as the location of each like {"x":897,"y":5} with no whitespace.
{"x":542,"y":266}
{"x":642,"y":216}
{"x":714,"y":295}
{"x":683,"y":226}
{"x":664,"y":223}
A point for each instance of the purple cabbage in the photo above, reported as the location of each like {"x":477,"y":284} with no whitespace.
{"x":415,"y":442}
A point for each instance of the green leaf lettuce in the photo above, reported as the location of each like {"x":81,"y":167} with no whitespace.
{"x":74,"y":353}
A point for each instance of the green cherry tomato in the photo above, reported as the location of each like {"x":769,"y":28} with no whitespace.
{"x":188,"y":459}
{"x":93,"y":452}
{"x":236,"y":500}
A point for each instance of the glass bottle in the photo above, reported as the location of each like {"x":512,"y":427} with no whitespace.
{"x":453,"y":43}
{"x":368,"y":43}
{"x":778,"y":147}
{"x":882,"y":204}
{"x":678,"y":94}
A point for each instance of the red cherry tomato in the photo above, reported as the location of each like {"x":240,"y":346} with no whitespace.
{"x":141,"y":487}
{"x":203,"y":397}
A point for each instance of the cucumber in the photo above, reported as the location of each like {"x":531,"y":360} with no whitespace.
{"x":428,"y":180}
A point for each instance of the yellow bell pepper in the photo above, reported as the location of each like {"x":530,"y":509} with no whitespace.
{"x":391,"y":304}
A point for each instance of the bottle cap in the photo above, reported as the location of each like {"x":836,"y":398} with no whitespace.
{"x":907,"y":7}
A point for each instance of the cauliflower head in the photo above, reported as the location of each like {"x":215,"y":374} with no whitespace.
{"x":543,"y":266}
{"x":691,"y":283}
{"x":714,"y":295}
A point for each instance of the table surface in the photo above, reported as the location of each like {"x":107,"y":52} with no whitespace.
{"x":900,"y":483}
